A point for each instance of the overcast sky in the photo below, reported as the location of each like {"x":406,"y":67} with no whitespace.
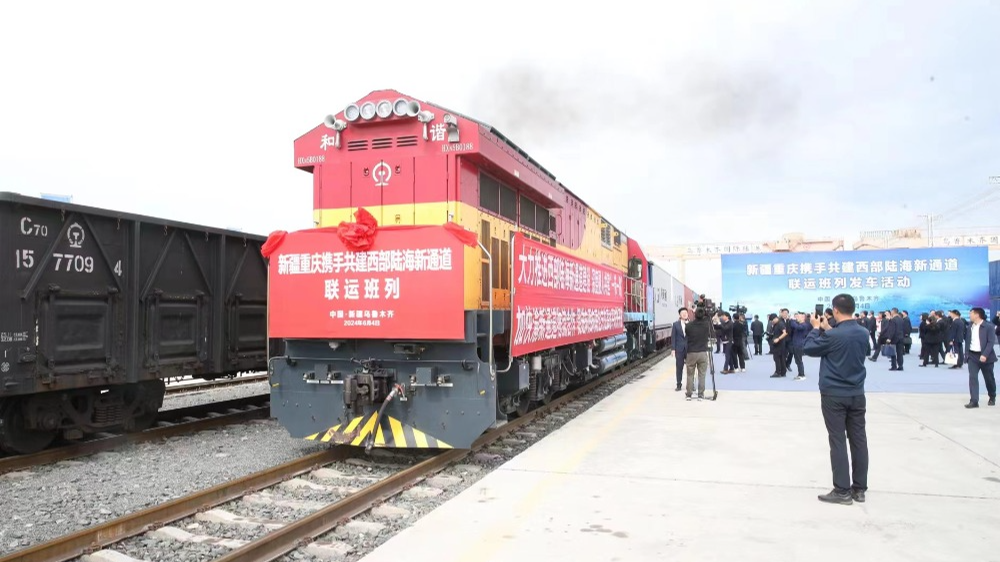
{"x":712,"y":121}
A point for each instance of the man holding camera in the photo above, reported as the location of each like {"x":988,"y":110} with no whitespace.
{"x":842,"y":350}
{"x":698,"y":332}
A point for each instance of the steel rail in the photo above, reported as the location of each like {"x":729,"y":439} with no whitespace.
{"x":214,"y":384}
{"x":86,"y":540}
{"x":279,"y":542}
{"x":176,"y":427}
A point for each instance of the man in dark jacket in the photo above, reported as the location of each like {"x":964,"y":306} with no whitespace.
{"x":842,"y":350}
{"x":799,"y":328}
{"x":956,"y":338}
{"x":757,"y":330}
{"x":678,"y":341}
{"x":717,"y":321}
{"x":899,"y":329}
{"x":698,"y":333}
{"x":724,"y":331}
{"x":945,"y":330}
{"x":907,"y":332}
{"x":981,"y":341}
{"x":740,"y":343}
{"x":885,"y":337}
{"x":872,"y":324}
{"x":778,"y":338}
{"x":934,"y":336}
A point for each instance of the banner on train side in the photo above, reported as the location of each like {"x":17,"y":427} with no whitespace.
{"x":408,"y":285}
{"x":560,"y":299}
{"x":916,"y":280}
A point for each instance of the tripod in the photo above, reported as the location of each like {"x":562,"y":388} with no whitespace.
{"x":711,"y":366}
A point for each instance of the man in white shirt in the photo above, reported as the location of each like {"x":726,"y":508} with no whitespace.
{"x":981,"y":341}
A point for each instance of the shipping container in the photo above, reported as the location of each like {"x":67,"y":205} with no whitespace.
{"x":666,"y":298}
{"x":97,"y":307}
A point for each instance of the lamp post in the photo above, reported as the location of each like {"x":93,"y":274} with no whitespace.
{"x":930,"y":228}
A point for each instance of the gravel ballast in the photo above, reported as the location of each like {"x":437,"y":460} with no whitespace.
{"x":211,"y":534}
{"x":45,"y":502}
{"x":50,"y":501}
{"x":221,"y":394}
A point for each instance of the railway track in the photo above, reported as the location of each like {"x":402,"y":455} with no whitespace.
{"x":180,"y":388}
{"x":296,"y":505}
{"x":169,"y":423}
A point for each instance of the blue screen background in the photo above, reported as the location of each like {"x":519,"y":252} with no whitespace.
{"x":916,"y":280}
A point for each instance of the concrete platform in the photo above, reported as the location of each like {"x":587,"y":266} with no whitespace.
{"x":647,"y":476}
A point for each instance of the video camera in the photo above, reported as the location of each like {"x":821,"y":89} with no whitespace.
{"x":704,"y":307}
{"x":738,"y":309}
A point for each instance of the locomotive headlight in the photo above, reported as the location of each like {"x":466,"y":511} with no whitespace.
{"x":367,"y":110}
{"x":383,"y":109}
{"x":400,"y":106}
{"x":352,"y":112}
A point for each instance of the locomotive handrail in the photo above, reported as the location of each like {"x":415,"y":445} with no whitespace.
{"x":513,"y":292}
{"x":493,"y":367}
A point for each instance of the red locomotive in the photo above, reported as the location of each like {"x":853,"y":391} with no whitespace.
{"x":451,"y":282}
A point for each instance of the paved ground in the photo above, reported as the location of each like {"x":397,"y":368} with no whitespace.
{"x":646,"y":476}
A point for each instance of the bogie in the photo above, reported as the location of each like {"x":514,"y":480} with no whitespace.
{"x":29,"y":424}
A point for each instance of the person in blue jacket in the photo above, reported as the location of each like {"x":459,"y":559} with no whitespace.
{"x":799,"y":327}
{"x":842,"y":350}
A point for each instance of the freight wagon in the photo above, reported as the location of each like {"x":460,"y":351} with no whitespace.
{"x":98,"y":307}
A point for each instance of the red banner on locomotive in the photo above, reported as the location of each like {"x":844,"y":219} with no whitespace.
{"x":396,"y":288}
{"x":560,"y":299}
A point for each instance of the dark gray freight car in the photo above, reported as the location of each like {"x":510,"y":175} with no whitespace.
{"x":98,"y":307}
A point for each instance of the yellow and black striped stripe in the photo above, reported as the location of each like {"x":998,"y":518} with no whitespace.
{"x":390,"y":433}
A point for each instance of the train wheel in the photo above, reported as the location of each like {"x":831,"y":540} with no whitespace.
{"x":15,"y":437}
{"x":547,"y":397}
{"x":523,"y":407}
{"x":142,"y":421}
{"x":149,"y":397}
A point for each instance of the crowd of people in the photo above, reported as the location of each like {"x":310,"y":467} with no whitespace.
{"x":944,"y":338}
{"x":842,"y":339}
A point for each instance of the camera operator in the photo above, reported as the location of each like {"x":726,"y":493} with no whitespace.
{"x":698,"y":332}
{"x":842,"y":351}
